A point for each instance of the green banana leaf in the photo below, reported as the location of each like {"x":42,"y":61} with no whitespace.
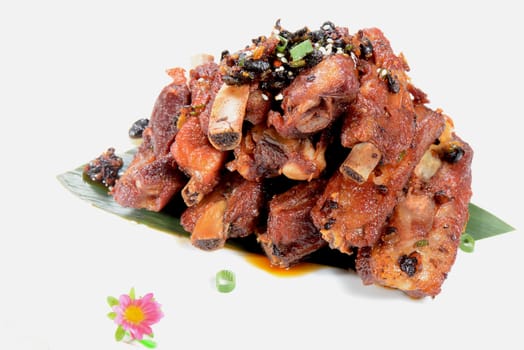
{"x":482,"y":224}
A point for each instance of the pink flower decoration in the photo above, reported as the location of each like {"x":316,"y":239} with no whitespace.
{"x":137,"y":315}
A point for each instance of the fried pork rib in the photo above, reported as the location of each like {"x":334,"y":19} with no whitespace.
{"x":230,"y":211}
{"x":291,"y":235}
{"x":419,"y":244}
{"x":153,"y":177}
{"x":382,"y":114}
{"x":198,"y":159}
{"x":195,"y":156}
{"x":350,"y":214}
{"x":317,"y":97}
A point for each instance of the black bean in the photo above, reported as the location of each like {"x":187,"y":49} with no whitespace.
{"x":328,"y":26}
{"x":314,"y":58}
{"x":393,"y":84}
{"x":453,"y":154}
{"x":366,"y":48}
{"x":317,"y":36}
{"x":408,"y":264}
{"x":257,"y":66}
{"x":329,"y":223}
{"x":138,"y":127}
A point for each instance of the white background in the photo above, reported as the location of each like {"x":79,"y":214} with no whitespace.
{"x":75,"y":74}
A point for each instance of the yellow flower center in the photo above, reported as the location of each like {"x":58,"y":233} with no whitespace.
{"x":134,"y":314}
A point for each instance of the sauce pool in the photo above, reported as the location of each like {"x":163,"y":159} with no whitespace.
{"x":262,"y":262}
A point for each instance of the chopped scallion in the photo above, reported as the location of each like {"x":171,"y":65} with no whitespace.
{"x":421,"y":243}
{"x":300,"y":50}
{"x":225,"y":281}
{"x":467,"y":243}
{"x":297,"y":63}
{"x":281,"y":47}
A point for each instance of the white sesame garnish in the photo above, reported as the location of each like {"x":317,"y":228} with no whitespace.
{"x":329,"y":49}
{"x":283,"y":60}
{"x":279,"y":69}
{"x":382,"y":72}
{"x":279,"y":97}
{"x":264,"y":97}
{"x":330,"y":41}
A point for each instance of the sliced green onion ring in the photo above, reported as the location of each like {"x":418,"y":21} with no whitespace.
{"x":467,"y":243}
{"x":225,"y":281}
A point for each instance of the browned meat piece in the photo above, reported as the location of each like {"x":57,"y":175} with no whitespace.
{"x":153,"y":177}
{"x":163,"y":121}
{"x":317,"y":97}
{"x":419,"y":245}
{"x":231,"y":210}
{"x":383,"y":112}
{"x":264,"y":153}
{"x":149,"y":182}
{"x":244,"y":205}
{"x":205,"y":81}
{"x":198,"y":159}
{"x":291,"y":235}
{"x":258,"y":105}
{"x":352,"y":215}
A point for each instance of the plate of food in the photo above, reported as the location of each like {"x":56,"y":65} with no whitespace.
{"x":301,"y":148}
{"x":276,"y":181}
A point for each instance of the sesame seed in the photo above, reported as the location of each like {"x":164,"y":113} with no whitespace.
{"x":264,"y":97}
{"x":382,"y":72}
{"x":279,"y":97}
{"x":283,"y":60}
